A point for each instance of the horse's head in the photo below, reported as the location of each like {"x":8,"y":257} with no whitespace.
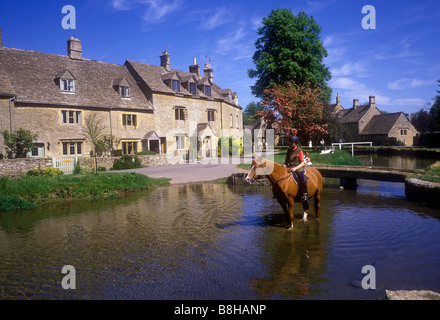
{"x":258,"y":169}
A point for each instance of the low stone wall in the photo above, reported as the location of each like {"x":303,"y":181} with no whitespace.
{"x":107,"y":162}
{"x":424,"y":192}
{"x":17,"y":167}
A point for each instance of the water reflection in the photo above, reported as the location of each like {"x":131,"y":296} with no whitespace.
{"x":211,"y":241}
{"x":397,"y":162}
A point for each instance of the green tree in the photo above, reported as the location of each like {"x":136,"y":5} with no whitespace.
{"x":435,"y":108}
{"x":18,"y":143}
{"x":289,"y":49}
{"x":250,"y":113}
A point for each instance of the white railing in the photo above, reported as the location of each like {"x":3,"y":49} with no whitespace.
{"x":350,"y":143}
{"x":65,"y":164}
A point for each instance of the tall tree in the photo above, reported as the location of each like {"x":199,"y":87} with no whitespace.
{"x":294,"y":109}
{"x":250,"y":113}
{"x":289,"y":49}
{"x":435,"y":108}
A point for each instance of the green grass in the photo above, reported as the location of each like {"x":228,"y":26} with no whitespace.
{"x":431,"y":173}
{"x":44,"y":189}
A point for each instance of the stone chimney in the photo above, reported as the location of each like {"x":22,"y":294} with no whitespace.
{"x":74,"y":48}
{"x":195,"y":68}
{"x":207,"y":72}
{"x":355,"y":103}
{"x":165,"y":60}
{"x":338,"y":100}
{"x":372,"y":101}
{"x":1,"y":43}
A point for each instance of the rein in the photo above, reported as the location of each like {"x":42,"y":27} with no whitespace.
{"x":275,"y":180}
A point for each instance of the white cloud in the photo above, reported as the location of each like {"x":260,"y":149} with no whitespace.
{"x":219,"y":17}
{"x":406,"y":83}
{"x":154,"y":10}
{"x":349,"y":68}
{"x":237,"y":43}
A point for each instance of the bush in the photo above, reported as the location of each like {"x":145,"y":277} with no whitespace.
{"x":126,"y":162}
{"x":34,"y":172}
{"x":10,"y":203}
{"x":50,"y":171}
{"x":77,"y":168}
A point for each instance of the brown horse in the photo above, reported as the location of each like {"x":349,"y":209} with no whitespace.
{"x":284,"y":188}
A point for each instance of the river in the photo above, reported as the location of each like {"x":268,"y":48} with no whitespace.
{"x":215,"y":241}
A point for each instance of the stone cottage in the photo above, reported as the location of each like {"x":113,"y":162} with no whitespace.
{"x":367,"y":123}
{"x":145,"y":107}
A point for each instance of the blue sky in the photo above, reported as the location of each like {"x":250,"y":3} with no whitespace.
{"x":398,"y":62}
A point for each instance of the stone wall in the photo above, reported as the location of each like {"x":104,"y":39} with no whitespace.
{"x":18,"y":167}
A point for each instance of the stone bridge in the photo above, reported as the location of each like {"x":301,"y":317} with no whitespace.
{"x":424,"y":192}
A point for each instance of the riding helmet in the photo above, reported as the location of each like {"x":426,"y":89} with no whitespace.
{"x":293,"y":139}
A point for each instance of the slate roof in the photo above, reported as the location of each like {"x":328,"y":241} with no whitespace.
{"x":31,"y":75}
{"x":381,"y":124}
{"x":352,"y":114}
{"x":154,"y":77}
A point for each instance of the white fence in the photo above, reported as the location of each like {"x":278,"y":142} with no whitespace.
{"x":65,"y":164}
{"x":350,"y":143}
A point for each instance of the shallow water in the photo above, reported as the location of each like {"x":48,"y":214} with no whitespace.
{"x":213,"y":241}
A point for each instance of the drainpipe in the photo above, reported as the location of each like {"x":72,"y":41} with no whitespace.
{"x":10,"y":112}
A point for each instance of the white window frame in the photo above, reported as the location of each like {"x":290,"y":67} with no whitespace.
{"x":67,"y":85}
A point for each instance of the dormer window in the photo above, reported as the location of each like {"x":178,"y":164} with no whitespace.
{"x":67,"y":85}
{"x":192,"y":88}
{"x":175,"y":85}
{"x":66,"y":81}
{"x":122,"y":86}
{"x":207,"y":90}
{"x":125,"y":92}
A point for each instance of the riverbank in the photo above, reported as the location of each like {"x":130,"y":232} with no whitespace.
{"x":26,"y":191}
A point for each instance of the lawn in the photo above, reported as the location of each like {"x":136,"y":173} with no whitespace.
{"x":28,"y":191}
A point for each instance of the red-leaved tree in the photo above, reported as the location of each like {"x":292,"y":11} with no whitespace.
{"x":293,"y":109}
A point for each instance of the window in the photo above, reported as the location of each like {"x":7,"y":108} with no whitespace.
{"x":125,"y":92}
{"x":129,"y":147}
{"x":72,"y":148}
{"x":236,"y":121}
{"x":208,"y":90}
{"x":67,"y":85}
{"x":72,"y":117}
{"x":403,"y":132}
{"x":231,"y":123}
{"x":211,"y":114}
{"x":179,"y":113}
{"x":129,"y":120}
{"x":180,"y":142}
{"x":175,"y":85}
{"x":192,"y":88}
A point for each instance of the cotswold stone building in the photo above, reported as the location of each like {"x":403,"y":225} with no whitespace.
{"x":367,"y":123}
{"x":145,"y":107}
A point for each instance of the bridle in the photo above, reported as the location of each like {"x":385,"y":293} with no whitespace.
{"x":265,"y":173}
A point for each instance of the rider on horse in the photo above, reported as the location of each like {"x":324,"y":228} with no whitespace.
{"x":295,"y":164}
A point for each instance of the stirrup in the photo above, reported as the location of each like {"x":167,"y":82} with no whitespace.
{"x":304,"y":197}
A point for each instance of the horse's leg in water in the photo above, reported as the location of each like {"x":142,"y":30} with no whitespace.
{"x":306,"y":210}
{"x":291,"y":203}
{"x":317,"y":201}
{"x":283,"y":205}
